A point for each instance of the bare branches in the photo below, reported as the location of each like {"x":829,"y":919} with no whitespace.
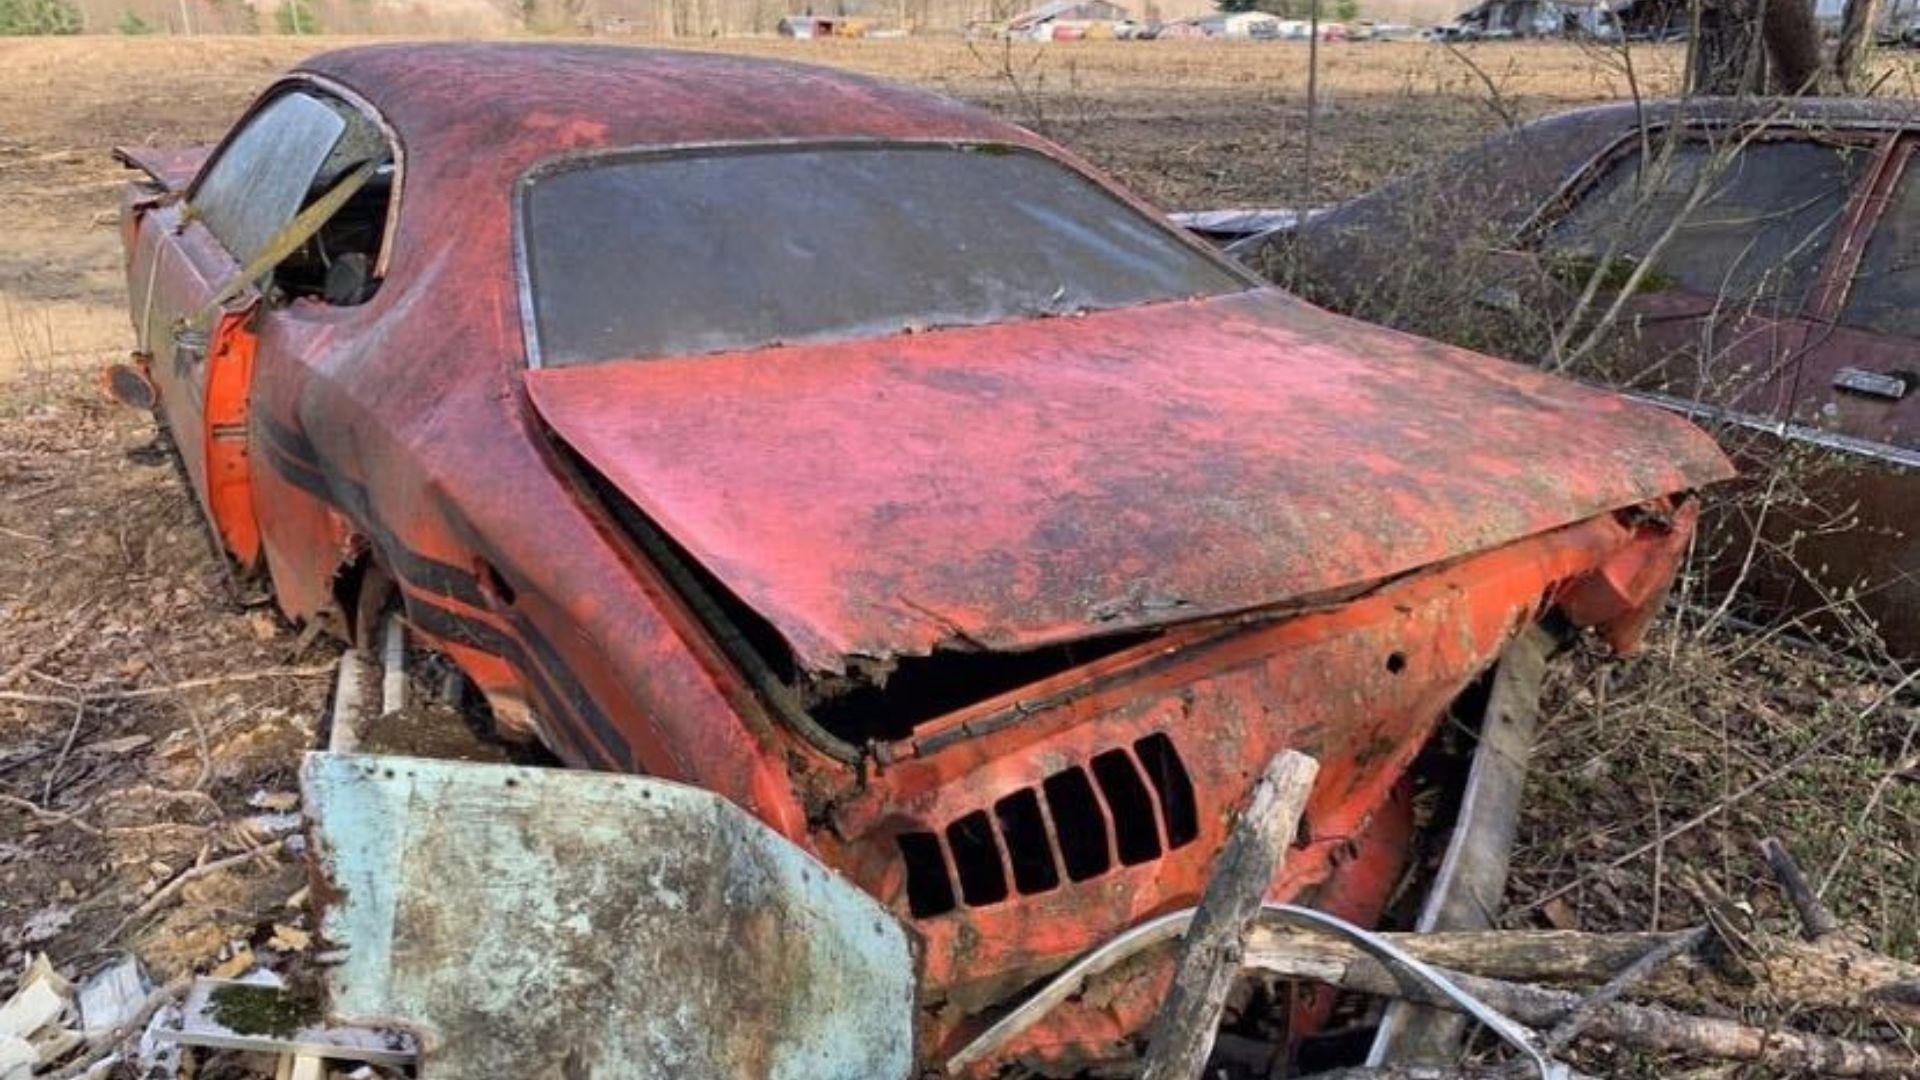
{"x":1633,"y":974}
{"x":137,"y":693}
{"x":1816,"y":921}
{"x":172,"y":888}
{"x":51,"y":817}
{"x":1645,"y":1027}
{"x":1495,"y":99}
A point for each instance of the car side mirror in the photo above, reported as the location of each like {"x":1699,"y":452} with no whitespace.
{"x":128,"y":385}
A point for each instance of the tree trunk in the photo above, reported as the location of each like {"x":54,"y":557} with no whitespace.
{"x":1723,"y":54}
{"x":1742,"y":47}
{"x":1856,"y":41}
{"x":1793,"y":46}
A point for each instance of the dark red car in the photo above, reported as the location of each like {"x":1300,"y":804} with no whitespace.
{"x":876,"y":464}
{"x":1764,"y":258}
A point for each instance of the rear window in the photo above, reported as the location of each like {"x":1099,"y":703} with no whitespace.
{"x":669,"y":255}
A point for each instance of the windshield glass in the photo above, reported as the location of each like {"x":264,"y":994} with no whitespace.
{"x":671,"y":255}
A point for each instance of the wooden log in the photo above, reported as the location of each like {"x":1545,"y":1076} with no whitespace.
{"x":1553,"y":956}
{"x":1613,"y":989}
{"x":1832,"y":973}
{"x":1183,"y":1033}
{"x":1644,"y":1027}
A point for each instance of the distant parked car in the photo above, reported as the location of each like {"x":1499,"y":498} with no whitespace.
{"x":1785,"y":302}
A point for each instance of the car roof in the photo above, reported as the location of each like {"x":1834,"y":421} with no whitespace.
{"x":498,"y":106}
{"x":1491,"y":190}
{"x":1507,"y":176}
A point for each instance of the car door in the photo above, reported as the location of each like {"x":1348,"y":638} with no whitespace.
{"x":1734,"y":230}
{"x":1859,"y":393}
{"x":191,"y":253}
{"x":1861,"y":375}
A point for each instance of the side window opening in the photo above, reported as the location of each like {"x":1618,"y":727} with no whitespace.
{"x":339,"y":263}
{"x":1885,"y":296}
{"x":1758,"y":231}
{"x":293,"y":151}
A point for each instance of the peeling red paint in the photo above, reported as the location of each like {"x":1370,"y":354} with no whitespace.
{"x":1011,"y":486}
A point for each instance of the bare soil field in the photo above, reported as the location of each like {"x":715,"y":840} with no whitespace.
{"x":147,"y":722}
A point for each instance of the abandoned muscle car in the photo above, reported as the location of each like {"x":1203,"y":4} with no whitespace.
{"x":1754,"y":263}
{"x":877,"y":465}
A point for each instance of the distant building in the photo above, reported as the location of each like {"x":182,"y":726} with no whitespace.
{"x":1538,"y":18}
{"x":1240,"y":24}
{"x":804,"y":27}
{"x":1075,"y":17}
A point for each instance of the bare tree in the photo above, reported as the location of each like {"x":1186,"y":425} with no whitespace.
{"x":1742,"y":47}
{"x":1856,"y":39}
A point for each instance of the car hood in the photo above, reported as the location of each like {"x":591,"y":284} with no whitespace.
{"x":1011,"y":486}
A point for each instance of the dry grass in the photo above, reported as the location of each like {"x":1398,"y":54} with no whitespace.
{"x":1633,"y":749}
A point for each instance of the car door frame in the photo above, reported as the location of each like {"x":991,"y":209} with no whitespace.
{"x":206,"y":381}
{"x":1788,"y":333}
{"x":1878,"y":544}
{"x":1825,"y":411}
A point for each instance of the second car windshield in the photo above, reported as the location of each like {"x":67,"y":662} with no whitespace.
{"x":670,"y":255}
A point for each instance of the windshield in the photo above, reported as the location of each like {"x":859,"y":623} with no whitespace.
{"x":727,"y":250}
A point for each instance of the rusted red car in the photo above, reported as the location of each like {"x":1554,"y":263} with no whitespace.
{"x":876,"y":464}
{"x":1764,"y":259}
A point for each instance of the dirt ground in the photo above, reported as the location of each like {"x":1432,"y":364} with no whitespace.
{"x":149,"y":726}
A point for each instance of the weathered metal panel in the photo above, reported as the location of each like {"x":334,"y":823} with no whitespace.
{"x":173,"y":167}
{"x":535,"y":922}
{"x":1011,"y":486}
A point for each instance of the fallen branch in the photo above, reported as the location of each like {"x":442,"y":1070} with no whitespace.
{"x":1816,"y":921}
{"x":1644,"y":1027}
{"x":1830,"y":974}
{"x":314,"y":671}
{"x":170,"y":889}
{"x":1557,"y":956}
{"x":60,"y":762}
{"x":51,"y":817}
{"x":1633,"y":974}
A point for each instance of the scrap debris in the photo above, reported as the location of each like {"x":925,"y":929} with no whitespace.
{"x":34,"y":1022}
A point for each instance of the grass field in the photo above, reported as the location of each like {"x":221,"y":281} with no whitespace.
{"x":94,"y":536}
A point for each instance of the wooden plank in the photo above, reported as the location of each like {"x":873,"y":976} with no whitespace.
{"x":1184,"y":1031}
{"x":1471,"y":885}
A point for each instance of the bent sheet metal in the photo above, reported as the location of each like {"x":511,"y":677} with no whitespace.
{"x":533,"y":922}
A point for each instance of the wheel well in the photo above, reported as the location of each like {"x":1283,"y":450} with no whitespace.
{"x":362,"y":590}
